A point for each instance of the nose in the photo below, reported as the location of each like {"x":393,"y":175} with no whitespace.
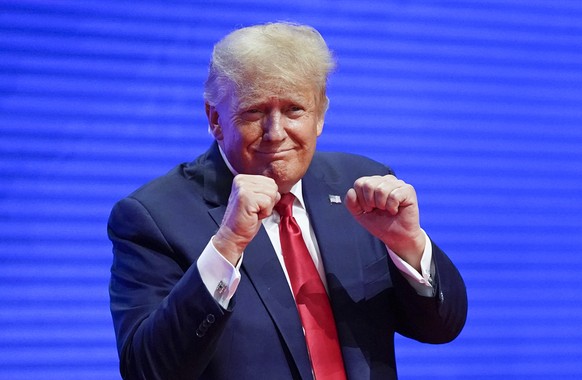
{"x":274,"y":127}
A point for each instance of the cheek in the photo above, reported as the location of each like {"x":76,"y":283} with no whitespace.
{"x":242,"y":134}
{"x":308,"y":134}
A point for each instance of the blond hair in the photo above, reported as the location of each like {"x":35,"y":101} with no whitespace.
{"x":281,"y":56}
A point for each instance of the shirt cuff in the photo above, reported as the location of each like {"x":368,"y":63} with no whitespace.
{"x":421,"y":282}
{"x":219,"y":276}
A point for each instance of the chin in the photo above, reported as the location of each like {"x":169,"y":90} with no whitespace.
{"x":284,"y":179}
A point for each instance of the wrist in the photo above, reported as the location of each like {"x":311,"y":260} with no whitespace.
{"x":229,"y":246}
{"x":410,"y":250}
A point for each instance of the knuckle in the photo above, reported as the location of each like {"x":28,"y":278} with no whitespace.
{"x":359,"y":182}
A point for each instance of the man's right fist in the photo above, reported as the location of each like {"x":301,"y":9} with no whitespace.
{"x":252,"y":199}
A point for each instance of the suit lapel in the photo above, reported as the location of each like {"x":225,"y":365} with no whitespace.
{"x":261,"y":266}
{"x":265,"y":273}
{"x":334,"y":229}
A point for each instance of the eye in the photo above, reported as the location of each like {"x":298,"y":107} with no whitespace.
{"x":295,"y":110}
{"x":251,"y":114}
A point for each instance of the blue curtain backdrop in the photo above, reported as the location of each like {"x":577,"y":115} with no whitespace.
{"x":478,"y":103}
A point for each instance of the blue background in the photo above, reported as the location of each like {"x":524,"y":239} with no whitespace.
{"x":475,"y":102}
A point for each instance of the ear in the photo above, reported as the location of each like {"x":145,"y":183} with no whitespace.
{"x":213,"y":125}
{"x":320,"y":126}
{"x":322,"y":116}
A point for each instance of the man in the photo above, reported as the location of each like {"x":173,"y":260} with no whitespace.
{"x":204,"y":283}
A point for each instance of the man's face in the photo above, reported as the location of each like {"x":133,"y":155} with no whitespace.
{"x":270,"y":133}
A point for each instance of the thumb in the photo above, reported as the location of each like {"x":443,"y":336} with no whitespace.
{"x":352,"y":203}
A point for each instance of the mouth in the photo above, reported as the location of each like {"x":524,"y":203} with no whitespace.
{"x":274,"y":153}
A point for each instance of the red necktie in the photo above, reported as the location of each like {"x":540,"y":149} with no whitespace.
{"x":310,"y":296}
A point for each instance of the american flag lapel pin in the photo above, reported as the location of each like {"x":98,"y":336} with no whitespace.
{"x":335,"y":199}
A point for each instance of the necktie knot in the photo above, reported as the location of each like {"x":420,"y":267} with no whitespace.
{"x":285,"y":205}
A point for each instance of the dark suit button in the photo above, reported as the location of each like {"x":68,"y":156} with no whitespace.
{"x":441,"y":296}
{"x":203,"y":327}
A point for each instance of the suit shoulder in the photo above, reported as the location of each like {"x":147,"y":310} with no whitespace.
{"x":353,"y":165}
{"x":163,"y":186}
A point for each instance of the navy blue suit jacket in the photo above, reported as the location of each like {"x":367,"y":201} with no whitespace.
{"x":168,"y":326}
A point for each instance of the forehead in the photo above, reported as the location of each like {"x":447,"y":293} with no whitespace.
{"x":263,"y":93}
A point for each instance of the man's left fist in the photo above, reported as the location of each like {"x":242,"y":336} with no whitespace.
{"x":387,"y":207}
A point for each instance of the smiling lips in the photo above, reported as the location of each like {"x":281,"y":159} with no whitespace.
{"x":274,"y":152}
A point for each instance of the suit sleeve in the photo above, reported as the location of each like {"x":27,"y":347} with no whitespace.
{"x":166,"y":322}
{"x":437,"y":319}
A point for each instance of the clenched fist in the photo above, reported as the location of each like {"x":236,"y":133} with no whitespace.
{"x":252,"y":199}
{"x":387,"y":207}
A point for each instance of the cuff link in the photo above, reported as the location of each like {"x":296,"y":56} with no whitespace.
{"x":221,"y":287}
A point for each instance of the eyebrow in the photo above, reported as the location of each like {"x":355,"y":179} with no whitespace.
{"x":242,"y":105}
